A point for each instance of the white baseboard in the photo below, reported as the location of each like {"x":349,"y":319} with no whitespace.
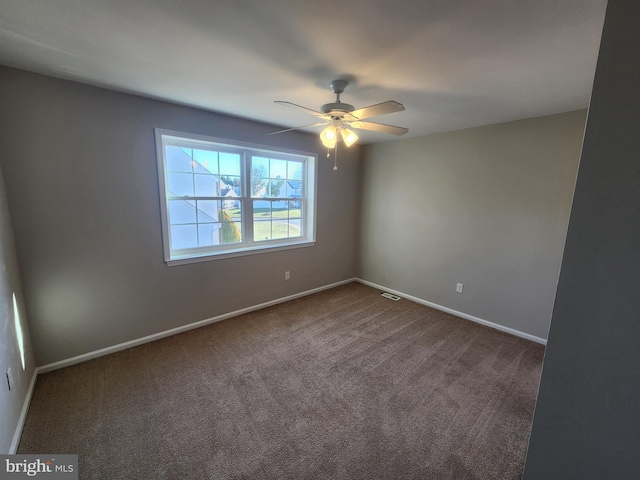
{"x":23,"y":414}
{"x":487,"y":323}
{"x":167,"y":333}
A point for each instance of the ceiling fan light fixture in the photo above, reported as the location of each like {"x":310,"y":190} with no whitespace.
{"x":348,"y":136}
{"x":337,"y":116}
{"x":329,"y":136}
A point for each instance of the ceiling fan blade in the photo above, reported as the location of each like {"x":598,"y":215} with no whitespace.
{"x":378,"y":109}
{"x":298,"y":128}
{"x":380,"y":127}
{"x":307,"y":110}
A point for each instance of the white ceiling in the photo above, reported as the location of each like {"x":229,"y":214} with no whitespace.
{"x":452,"y":63}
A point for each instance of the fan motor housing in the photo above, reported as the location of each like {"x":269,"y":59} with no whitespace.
{"x":337,"y":108}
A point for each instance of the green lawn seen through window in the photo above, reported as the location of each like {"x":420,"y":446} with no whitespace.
{"x":266,"y":213}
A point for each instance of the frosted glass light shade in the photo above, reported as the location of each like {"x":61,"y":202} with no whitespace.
{"x":348,"y":136}
{"x":329,"y":136}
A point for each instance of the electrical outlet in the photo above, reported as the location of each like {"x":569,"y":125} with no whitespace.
{"x":9,"y":378}
{"x":287,"y":275}
{"x":459,"y":287}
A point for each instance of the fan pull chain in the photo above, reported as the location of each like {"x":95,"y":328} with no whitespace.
{"x":335,"y":156}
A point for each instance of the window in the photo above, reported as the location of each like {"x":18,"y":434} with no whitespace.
{"x":220,"y":199}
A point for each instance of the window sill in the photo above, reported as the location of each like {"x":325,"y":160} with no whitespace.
{"x":240,"y":252}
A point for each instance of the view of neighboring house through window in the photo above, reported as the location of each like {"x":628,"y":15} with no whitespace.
{"x":203,"y":207}
{"x":225,"y":199}
{"x":279,"y":183}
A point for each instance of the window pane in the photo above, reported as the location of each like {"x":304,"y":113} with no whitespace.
{"x":238,"y":226}
{"x":261,"y":162}
{"x":277,"y":187}
{"x":208,"y":211}
{"x":182,"y":211}
{"x":177,"y":159}
{"x":208,"y":234}
{"x":276,"y":219}
{"x":233,"y":209}
{"x":280,"y":229}
{"x":279,"y":209}
{"x":230,"y":187}
{"x":229,"y":164}
{"x":278,"y":168}
{"x":261,"y":209}
{"x":294,"y":170}
{"x":230,"y":232}
{"x":259,"y":176}
{"x":183,"y":236}
{"x":206,"y":161}
{"x":295,"y":208}
{"x":293,"y":189}
{"x":272,"y":220}
{"x":295,"y":229}
{"x":280,"y":214}
{"x":207,"y":186}
{"x":180,"y":184}
{"x":261,"y":230}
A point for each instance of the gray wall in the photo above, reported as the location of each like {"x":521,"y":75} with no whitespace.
{"x":487,"y":207}
{"x":13,"y":400}
{"x":587,"y":419}
{"x":81,"y":178}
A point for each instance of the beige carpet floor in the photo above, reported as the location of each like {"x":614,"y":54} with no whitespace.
{"x":342,"y":384}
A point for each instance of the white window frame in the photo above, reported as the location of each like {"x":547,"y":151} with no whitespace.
{"x":248,"y":246}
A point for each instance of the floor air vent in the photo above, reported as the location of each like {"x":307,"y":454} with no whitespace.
{"x":390,"y":296}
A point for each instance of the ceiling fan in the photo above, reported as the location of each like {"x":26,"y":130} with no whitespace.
{"x":340,"y":116}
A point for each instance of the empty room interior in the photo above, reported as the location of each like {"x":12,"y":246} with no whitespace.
{"x":330,"y":240}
